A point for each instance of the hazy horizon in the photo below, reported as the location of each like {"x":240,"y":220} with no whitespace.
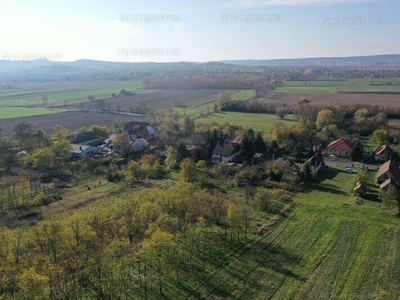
{"x":177,"y":31}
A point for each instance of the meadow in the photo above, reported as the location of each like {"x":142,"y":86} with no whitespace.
{"x":328,"y":248}
{"x":257,"y":122}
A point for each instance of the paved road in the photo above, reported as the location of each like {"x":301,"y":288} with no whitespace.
{"x":348,"y":163}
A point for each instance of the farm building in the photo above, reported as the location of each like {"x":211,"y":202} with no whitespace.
{"x":139,"y":145}
{"x":340,"y":148}
{"x":360,"y":190}
{"x":386,"y":171}
{"x":139,"y":128}
{"x":387,"y":183}
{"x":83,"y":150}
{"x":236,"y":140}
{"x":383,"y":153}
{"x":130,"y":144}
{"x":227,"y":152}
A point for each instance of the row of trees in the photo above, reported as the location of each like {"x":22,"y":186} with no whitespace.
{"x":259,"y":83}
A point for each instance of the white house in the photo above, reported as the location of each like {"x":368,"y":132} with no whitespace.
{"x":83,"y":150}
{"x":139,"y":144}
{"x":134,"y":128}
{"x":227,"y":152}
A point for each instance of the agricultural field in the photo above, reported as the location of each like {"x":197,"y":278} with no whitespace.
{"x":390,"y":100}
{"x":197,"y":108}
{"x":168,"y":99}
{"x":328,"y":248}
{"x":62,"y":94}
{"x":8,"y":112}
{"x":368,"y":91}
{"x":72,"y":120}
{"x":257,"y":122}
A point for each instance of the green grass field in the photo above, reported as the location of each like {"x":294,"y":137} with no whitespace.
{"x":258,"y":122}
{"x":63,"y":93}
{"x":328,"y":248}
{"x":7,"y":112}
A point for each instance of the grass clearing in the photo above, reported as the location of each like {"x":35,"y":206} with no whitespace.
{"x":258,"y":122}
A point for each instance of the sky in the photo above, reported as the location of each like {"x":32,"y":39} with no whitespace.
{"x":196,"y":31}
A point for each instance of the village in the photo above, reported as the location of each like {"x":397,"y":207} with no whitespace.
{"x":140,"y":138}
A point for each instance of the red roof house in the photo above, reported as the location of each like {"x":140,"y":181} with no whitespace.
{"x":236,"y":140}
{"x":340,"y":148}
{"x":383,"y":153}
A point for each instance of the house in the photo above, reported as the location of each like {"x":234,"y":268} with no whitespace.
{"x":340,"y":148}
{"x":386,"y":171}
{"x":83,"y":150}
{"x":236,"y":140}
{"x":387,"y":183}
{"x":139,"y":145}
{"x":128,"y":144}
{"x":227,"y":152}
{"x":360,"y":190}
{"x":383,"y":153}
{"x":138,"y":128}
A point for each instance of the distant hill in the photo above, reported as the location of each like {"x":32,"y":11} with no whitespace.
{"x":43,"y":70}
{"x":389,"y":60}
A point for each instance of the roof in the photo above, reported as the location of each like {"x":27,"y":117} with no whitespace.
{"x":388,"y":166}
{"x":387,"y":182}
{"x":381,"y":150}
{"x":360,"y":185}
{"x":341,"y":145}
{"x":237,"y":139}
{"x":84,"y":137}
{"x":79,"y":148}
{"x":225,"y":150}
{"x":134,"y":125}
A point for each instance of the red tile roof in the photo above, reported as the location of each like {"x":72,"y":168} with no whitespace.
{"x":225,"y":150}
{"x":134,"y":125}
{"x":380,"y":150}
{"x":387,"y":182}
{"x":237,"y":139}
{"x":388,"y":166}
{"x":341,"y":145}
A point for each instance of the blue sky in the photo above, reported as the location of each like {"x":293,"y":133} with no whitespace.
{"x":197,"y":30}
